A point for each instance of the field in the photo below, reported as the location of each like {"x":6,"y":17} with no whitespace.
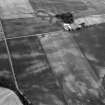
{"x":91,"y":42}
{"x":52,"y":67}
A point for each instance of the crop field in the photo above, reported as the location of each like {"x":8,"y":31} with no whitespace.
{"x":91,"y":41}
{"x":51,"y":66}
{"x":27,"y":26}
{"x":72,"y":68}
{"x":58,"y":7}
{"x":39,"y":24}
